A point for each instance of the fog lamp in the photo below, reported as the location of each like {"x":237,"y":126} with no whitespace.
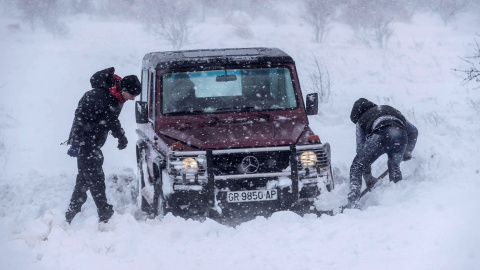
{"x":308,"y":159}
{"x":189,"y":163}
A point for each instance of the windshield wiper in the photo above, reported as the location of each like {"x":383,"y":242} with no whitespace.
{"x":245,"y":109}
{"x":235,"y":109}
{"x":202,"y":113}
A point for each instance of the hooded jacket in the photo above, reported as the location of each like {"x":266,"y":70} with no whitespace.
{"x":97,"y":112}
{"x":369,"y":117}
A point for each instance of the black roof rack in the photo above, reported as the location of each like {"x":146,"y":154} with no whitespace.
{"x":216,"y":57}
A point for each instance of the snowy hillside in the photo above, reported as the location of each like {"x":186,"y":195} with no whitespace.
{"x":428,"y":221}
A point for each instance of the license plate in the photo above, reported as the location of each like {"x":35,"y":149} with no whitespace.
{"x":252,"y":196}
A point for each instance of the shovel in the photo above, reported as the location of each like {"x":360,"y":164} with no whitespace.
{"x":372,"y":185}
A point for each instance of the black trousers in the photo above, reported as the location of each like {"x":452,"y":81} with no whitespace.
{"x":90,"y":177}
{"x":386,"y":140}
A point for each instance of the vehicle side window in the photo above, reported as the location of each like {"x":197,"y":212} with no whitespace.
{"x":144,"y":95}
{"x":150,"y":95}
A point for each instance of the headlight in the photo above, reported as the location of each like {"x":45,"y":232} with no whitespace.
{"x":189,"y":164}
{"x":308,"y":159}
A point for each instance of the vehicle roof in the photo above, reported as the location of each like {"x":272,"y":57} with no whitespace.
{"x":216,"y":57}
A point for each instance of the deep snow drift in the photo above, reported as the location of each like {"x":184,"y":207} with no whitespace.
{"x":428,"y":221}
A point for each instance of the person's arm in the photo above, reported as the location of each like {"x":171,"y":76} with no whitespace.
{"x":361,"y":138}
{"x":116,"y":127}
{"x":80,"y":120}
{"x":80,"y":125}
{"x":412,"y":134}
{"x":117,"y":130}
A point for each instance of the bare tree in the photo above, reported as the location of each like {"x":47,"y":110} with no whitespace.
{"x":240,"y":21}
{"x":319,"y":14}
{"x":320,"y":80}
{"x":171,"y":20}
{"x":383,"y":29}
{"x":448,"y":9}
{"x":374,"y":19}
{"x":207,"y":4}
{"x":81,"y":6}
{"x":46,"y":12}
{"x":253,"y":8}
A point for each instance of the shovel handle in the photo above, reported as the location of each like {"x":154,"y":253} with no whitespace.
{"x":383,"y":175}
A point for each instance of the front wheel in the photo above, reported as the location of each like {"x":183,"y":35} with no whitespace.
{"x":142,"y":175}
{"x":159,"y":204}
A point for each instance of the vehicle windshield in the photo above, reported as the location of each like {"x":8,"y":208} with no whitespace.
{"x":227,"y":90}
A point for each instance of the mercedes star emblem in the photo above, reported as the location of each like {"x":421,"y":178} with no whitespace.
{"x":250,"y":164}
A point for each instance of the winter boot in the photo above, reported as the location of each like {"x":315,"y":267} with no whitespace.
{"x":353,"y":200}
{"x":70,"y":214}
{"x":106,"y":214}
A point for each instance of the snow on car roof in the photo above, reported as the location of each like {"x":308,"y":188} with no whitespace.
{"x":170,"y":59}
{"x":221,"y":52}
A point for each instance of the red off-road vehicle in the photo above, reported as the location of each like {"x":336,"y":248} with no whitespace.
{"x":226,"y":131}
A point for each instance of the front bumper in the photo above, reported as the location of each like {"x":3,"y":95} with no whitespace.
{"x":212,"y":180}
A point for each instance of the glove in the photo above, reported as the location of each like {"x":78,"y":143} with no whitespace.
{"x":74,"y":149}
{"x":407,"y":155}
{"x":122,"y":142}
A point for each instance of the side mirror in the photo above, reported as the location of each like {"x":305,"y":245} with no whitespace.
{"x":141,"y":112}
{"x":312,"y":104}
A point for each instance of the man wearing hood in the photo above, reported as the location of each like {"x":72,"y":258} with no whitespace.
{"x":96,"y":115}
{"x":380,"y":130}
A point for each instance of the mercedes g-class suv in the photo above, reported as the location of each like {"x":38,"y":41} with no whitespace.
{"x":225,"y":131}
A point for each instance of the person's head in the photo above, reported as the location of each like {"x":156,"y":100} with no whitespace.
{"x":360,"y":107}
{"x":130,"y":87}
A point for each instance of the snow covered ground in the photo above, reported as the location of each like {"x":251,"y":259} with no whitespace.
{"x":428,"y":221}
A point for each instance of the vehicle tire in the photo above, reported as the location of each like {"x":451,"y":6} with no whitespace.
{"x":142,"y":176}
{"x":159,"y":204}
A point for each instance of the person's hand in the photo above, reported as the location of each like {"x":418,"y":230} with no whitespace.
{"x":74,"y":149}
{"x":122,"y":142}
{"x":407,"y":155}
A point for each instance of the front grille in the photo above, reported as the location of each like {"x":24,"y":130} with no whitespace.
{"x":251,"y":162}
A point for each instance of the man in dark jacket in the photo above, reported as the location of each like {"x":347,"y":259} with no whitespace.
{"x":96,"y":115}
{"x":380,"y":130}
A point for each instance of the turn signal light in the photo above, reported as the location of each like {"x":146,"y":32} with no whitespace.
{"x":177,"y":146}
{"x":314,"y":139}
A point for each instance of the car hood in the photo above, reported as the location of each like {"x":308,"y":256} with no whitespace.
{"x":220,"y":135}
